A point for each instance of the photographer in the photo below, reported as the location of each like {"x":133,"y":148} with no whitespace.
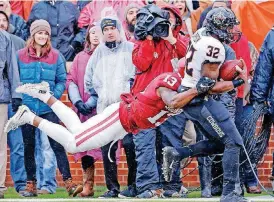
{"x":153,"y":56}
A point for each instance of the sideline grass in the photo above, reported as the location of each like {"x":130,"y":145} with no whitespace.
{"x":62,"y":194}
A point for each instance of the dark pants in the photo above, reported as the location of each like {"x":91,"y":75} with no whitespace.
{"x":171,"y":134}
{"x":147,"y":142}
{"x":111,"y":167}
{"x":28,"y":132}
{"x":214,"y":120}
{"x":87,"y":161}
{"x":246,"y":175}
{"x":147,"y":176}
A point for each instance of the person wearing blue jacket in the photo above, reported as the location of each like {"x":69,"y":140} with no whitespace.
{"x":62,"y":17}
{"x":262,"y":91}
{"x":262,"y":84}
{"x":40,"y":62}
{"x":19,"y":26}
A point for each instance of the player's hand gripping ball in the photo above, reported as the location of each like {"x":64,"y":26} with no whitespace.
{"x":230,"y":69}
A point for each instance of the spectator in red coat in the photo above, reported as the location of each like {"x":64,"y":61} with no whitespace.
{"x":98,"y":9}
{"x":152,"y":58}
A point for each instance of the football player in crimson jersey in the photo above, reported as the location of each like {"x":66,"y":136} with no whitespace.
{"x":204,"y":58}
{"x":147,"y":109}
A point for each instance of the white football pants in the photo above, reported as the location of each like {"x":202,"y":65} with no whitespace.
{"x":96,"y":132}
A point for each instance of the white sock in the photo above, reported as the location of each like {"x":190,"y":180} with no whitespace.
{"x":29,"y":117}
{"x":45,"y":97}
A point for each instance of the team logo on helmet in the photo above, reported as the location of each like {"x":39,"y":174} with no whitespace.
{"x":221,"y":22}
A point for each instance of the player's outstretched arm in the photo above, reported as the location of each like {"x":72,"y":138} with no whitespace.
{"x":221,"y":87}
{"x":211,"y":70}
{"x":176,"y":100}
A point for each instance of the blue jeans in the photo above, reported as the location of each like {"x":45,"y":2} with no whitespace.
{"x":147,"y":176}
{"x":28,"y":132}
{"x":17,"y":167}
{"x":171,"y":134}
{"x":46,"y":163}
{"x":147,"y":143}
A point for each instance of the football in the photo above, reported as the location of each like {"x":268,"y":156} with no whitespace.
{"x":228,"y":71}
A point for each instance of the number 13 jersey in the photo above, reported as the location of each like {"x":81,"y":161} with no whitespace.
{"x":202,"y":48}
{"x":147,"y":110}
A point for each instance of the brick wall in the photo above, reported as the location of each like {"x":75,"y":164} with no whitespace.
{"x":191,"y":180}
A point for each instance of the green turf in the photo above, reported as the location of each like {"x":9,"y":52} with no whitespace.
{"x":61,"y":193}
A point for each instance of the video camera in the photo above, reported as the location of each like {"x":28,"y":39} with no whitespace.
{"x":151,"y":20}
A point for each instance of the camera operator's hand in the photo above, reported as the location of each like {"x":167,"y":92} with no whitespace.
{"x":170,"y":38}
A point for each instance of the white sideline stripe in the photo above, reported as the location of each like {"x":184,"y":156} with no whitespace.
{"x":132,"y":200}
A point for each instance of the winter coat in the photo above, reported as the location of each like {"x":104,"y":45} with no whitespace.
{"x":9,"y":75}
{"x":97,"y":9}
{"x":82,"y":4}
{"x":263,"y":80}
{"x":109,"y":72}
{"x":17,"y":7}
{"x":21,"y":29}
{"x":76,"y":75}
{"x":18,"y":42}
{"x":241,"y":49}
{"x":154,"y":58}
{"x":50,"y":67}
{"x":62,"y":17}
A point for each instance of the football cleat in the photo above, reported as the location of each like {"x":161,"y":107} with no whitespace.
{"x":36,"y":90}
{"x":171,"y":161}
{"x":18,"y":119}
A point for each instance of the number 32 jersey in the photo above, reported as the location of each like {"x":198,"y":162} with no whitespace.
{"x":147,"y":110}
{"x":202,"y":48}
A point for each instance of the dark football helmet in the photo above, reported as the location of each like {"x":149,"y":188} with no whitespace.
{"x":221,"y":23}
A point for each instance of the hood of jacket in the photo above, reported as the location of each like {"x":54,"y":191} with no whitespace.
{"x":176,"y":12}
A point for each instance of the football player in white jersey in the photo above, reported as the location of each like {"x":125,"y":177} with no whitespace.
{"x":205,"y":55}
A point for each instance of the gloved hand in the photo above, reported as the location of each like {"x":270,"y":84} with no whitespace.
{"x":204,"y":85}
{"x":75,"y":45}
{"x":16,"y":103}
{"x":82,"y":108}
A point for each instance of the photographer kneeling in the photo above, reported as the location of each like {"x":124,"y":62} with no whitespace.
{"x":157,"y":50}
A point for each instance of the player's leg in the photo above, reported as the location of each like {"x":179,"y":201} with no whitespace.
{"x":215,"y":119}
{"x":101,"y":129}
{"x":64,"y":113}
{"x":173,"y":156}
{"x":94,"y":133}
{"x":55,"y":131}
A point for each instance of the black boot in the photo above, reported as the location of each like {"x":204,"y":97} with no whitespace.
{"x":205,"y":176}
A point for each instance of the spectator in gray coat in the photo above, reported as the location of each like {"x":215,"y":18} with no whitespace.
{"x":9,"y":81}
{"x":15,"y":140}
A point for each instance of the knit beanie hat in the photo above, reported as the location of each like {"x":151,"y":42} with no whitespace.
{"x":40,"y":25}
{"x":108,"y":22}
{"x":130,"y":6}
